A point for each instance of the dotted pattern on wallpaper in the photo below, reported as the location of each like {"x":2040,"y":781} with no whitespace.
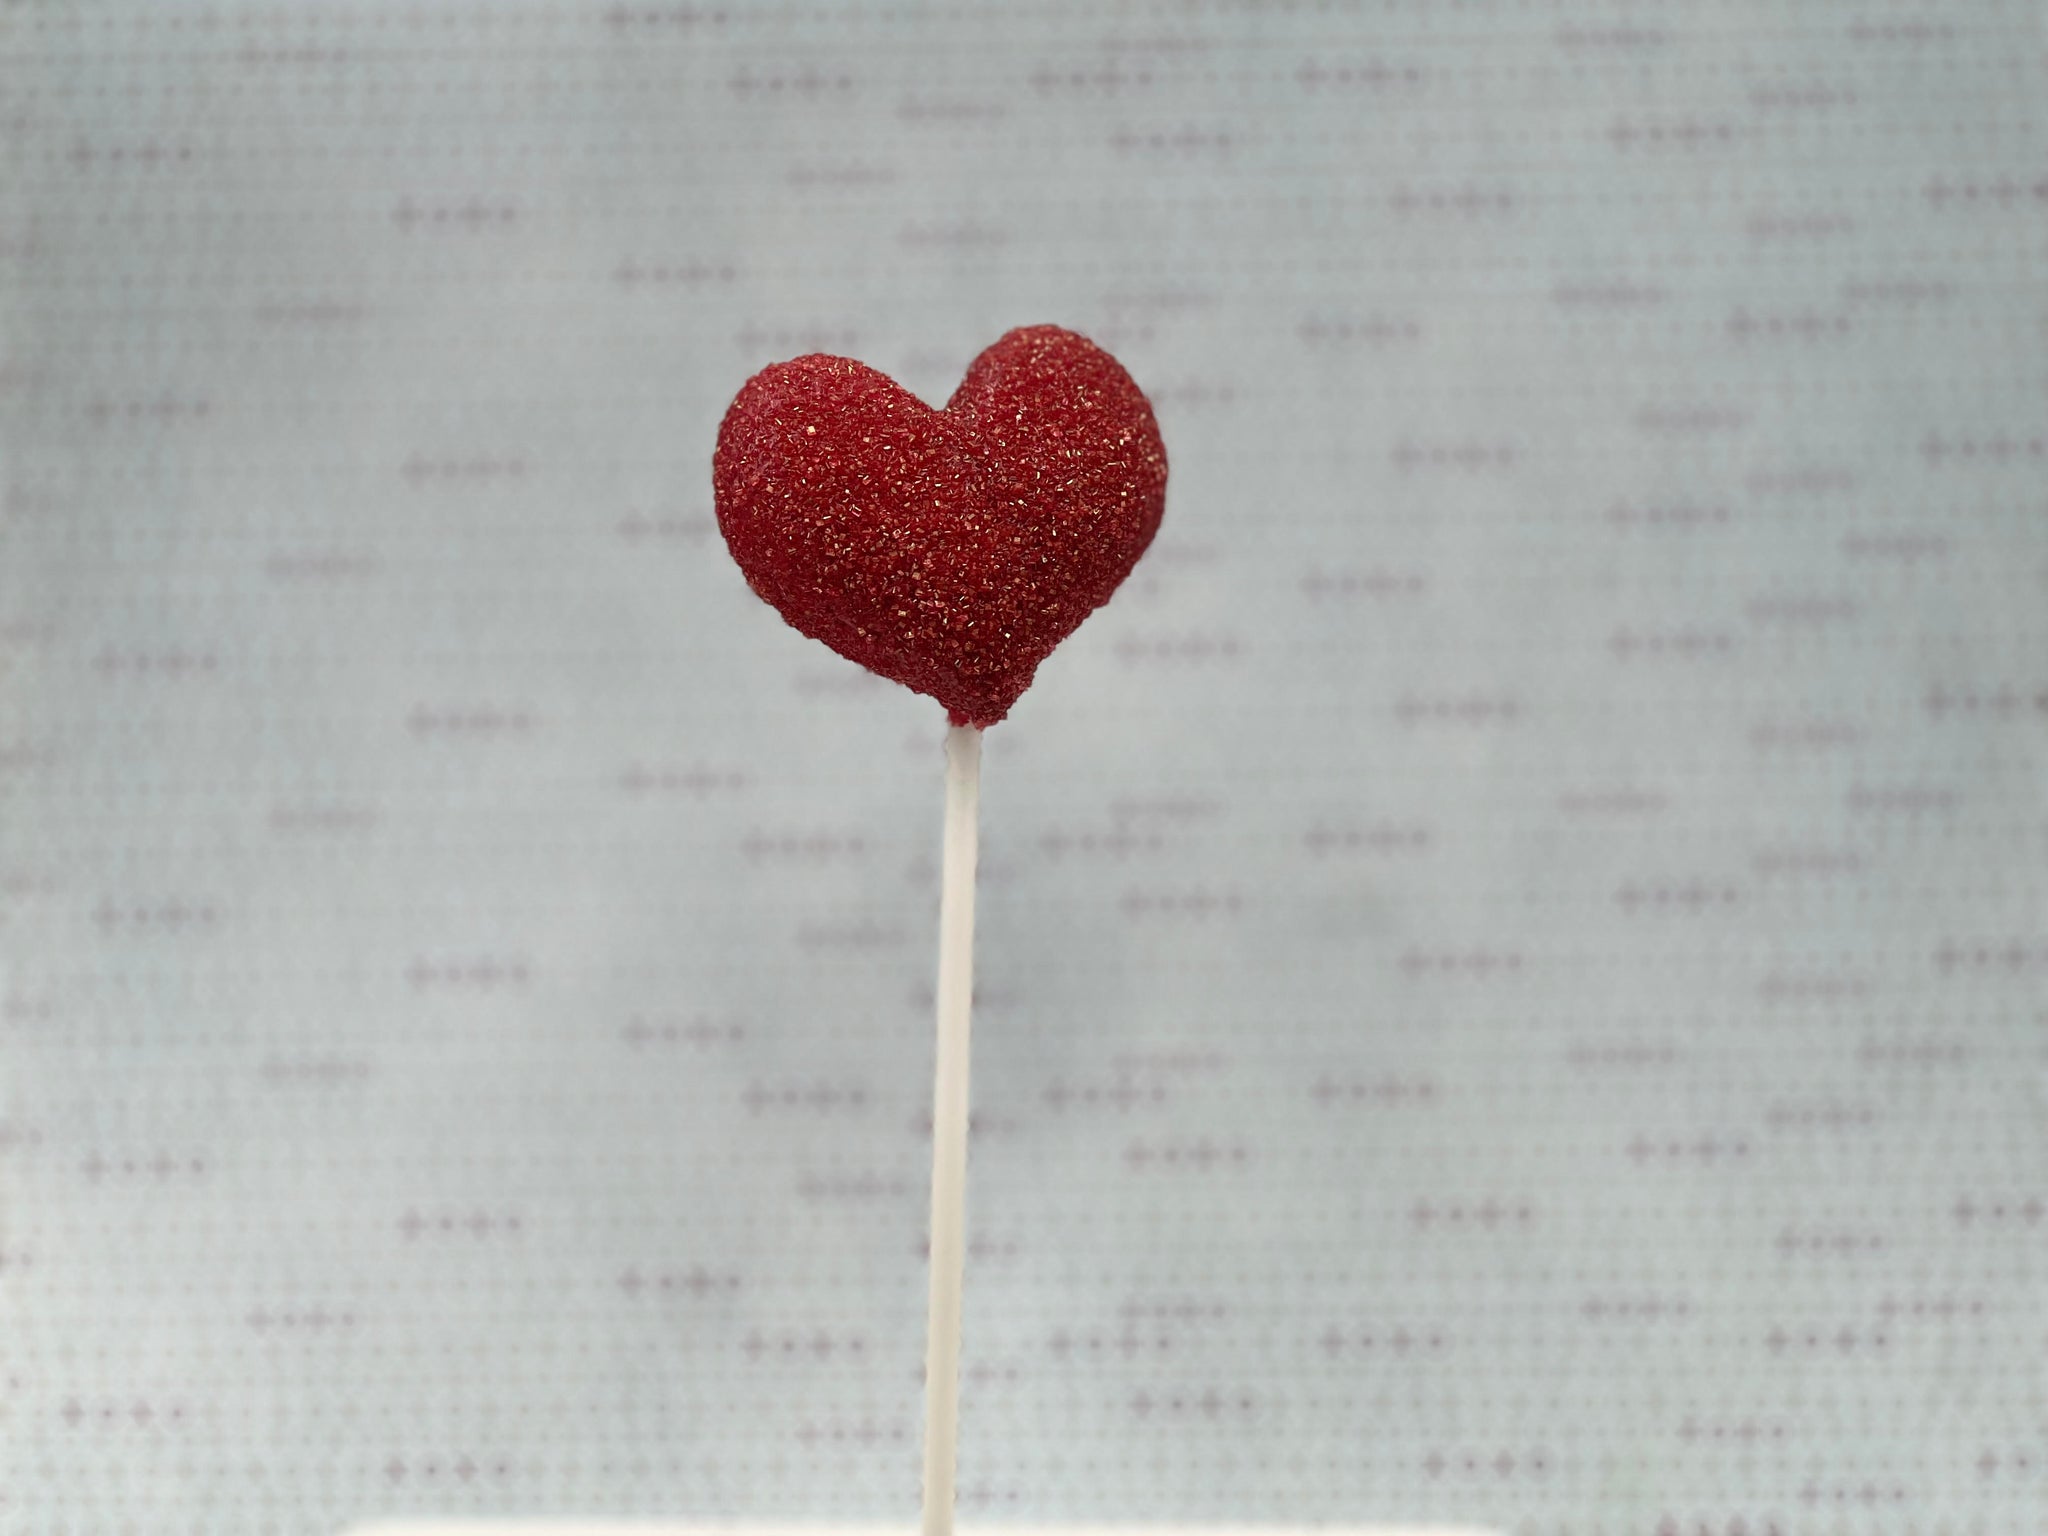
{"x":1514,"y":957}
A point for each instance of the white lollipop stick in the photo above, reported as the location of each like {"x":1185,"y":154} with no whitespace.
{"x":949,"y":1129}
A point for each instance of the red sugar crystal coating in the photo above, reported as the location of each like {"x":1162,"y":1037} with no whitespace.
{"x":949,"y":550}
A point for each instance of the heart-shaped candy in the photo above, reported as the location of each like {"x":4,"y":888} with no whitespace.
{"x":949,"y":550}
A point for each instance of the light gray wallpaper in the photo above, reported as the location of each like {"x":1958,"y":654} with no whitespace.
{"x":1514,"y":956}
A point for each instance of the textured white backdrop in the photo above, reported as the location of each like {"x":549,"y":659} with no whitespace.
{"x":1514,"y":956}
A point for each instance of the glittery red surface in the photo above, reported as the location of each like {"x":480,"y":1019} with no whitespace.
{"x":950,"y":550}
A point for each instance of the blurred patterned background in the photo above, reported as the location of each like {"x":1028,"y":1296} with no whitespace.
{"x":1514,"y":957}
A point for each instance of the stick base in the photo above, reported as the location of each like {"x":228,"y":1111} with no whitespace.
{"x":461,"y":1527}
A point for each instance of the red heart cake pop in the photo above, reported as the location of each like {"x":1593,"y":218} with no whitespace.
{"x":949,"y":550}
